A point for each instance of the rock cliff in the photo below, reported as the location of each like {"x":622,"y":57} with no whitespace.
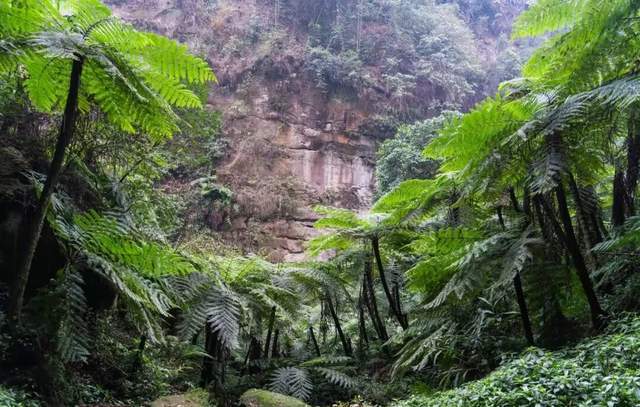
{"x":294,"y":141}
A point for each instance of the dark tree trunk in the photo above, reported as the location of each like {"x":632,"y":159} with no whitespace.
{"x":316,"y":348}
{"x":514,"y":200}
{"x":275,"y":351}
{"x":597,"y":313}
{"x":404,"y":322}
{"x":524,"y":312}
{"x":633,"y":161}
{"x":368,"y":305}
{"x":371,"y":295}
{"x":346,"y":346}
{"x":254,"y":352}
{"x":393,"y":303}
{"x":585,"y":226}
{"x":551,"y":306}
{"x":522,"y":304}
{"x":211,"y":348}
{"x":617,"y":208}
{"x":362,"y":326}
{"x":267,"y":342}
{"x":551,"y":217}
{"x":500,"y":217}
{"x":34,"y":225}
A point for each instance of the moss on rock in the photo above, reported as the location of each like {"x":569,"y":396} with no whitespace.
{"x":264,"y":398}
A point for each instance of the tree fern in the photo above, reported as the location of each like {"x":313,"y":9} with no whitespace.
{"x":292,"y":381}
{"x":73,"y":337}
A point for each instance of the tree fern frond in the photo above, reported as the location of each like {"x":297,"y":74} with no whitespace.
{"x":292,"y":381}
{"x":73,"y":335}
{"x":547,"y":16}
{"x":327,"y":361}
{"x":336,"y":377}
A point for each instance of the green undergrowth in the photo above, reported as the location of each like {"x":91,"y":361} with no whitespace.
{"x":16,"y":398}
{"x":602,"y":371}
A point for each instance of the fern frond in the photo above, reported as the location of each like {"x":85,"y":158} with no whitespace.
{"x":73,"y":337}
{"x":336,"y":377}
{"x":291,"y":381}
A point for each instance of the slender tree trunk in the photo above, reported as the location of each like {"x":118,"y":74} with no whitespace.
{"x":211,"y":348}
{"x":597,"y":313}
{"x":514,"y":200}
{"x":555,"y":225}
{"x":500,"y":217}
{"x":522,"y":304}
{"x":254,"y":352}
{"x":551,"y":305}
{"x":314,"y":341}
{"x":374,"y":303}
{"x":362,"y":326}
{"x":267,"y":342}
{"x":370,"y":311}
{"x":618,"y":206}
{"x":404,"y":321}
{"x":633,"y":162}
{"x":375,"y":243}
{"x":584,"y":223}
{"x":275,"y":350}
{"x":346,"y":346}
{"x":34,"y":225}
{"x":524,"y":312}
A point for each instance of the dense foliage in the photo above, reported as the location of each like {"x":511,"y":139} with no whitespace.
{"x":597,"y":372}
{"x":510,"y":228}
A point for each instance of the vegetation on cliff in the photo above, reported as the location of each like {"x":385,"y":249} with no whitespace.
{"x":510,"y":229}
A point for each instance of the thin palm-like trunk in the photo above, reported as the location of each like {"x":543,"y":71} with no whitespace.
{"x":34,"y":225}
{"x":364,"y":339}
{"x":517,"y":286}
{"x":211,"y":344}
{"x":346,"y":345}
{"x":371,"y":295}
{"x":275,"y":351}
{"x":618,"y":205}
{"x":370,"y":311}
{"x":597,"y":313}
{"x":584,"y":224}
{"x":316,"y":348}
{"x":514,"y":200}
{"x":394,"y":303}
{"x":267,"y":342}
{"x":633,"y":162}
{"x":524,"y":311}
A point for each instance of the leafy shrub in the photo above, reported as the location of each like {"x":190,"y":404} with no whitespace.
{"x":603,"y":371}
{"x":332,"y":71}
{"x":16,"y":398}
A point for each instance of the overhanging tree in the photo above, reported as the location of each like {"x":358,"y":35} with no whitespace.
{"x":74,"y":54}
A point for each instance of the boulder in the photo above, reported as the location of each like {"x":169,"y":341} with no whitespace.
{"x":264,"y":398}
{"x":196,"y":398}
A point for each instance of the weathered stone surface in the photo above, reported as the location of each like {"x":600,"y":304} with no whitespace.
{"x":191,"y":399}
{"x":263,"y":398}
{"x":292,"y":146}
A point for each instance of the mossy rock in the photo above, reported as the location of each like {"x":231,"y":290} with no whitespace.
{"x":195,"y":398}
{"x":263,"y":398}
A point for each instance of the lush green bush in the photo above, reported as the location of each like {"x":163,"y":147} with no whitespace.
{"x":400,"y":158}
{"x":16,"y":398}
{"x":603,"y":371}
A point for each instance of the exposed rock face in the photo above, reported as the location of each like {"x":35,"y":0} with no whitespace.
{"x":291,"y":145}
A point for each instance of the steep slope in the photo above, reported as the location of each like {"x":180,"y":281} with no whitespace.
{"x":307,"y":88}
